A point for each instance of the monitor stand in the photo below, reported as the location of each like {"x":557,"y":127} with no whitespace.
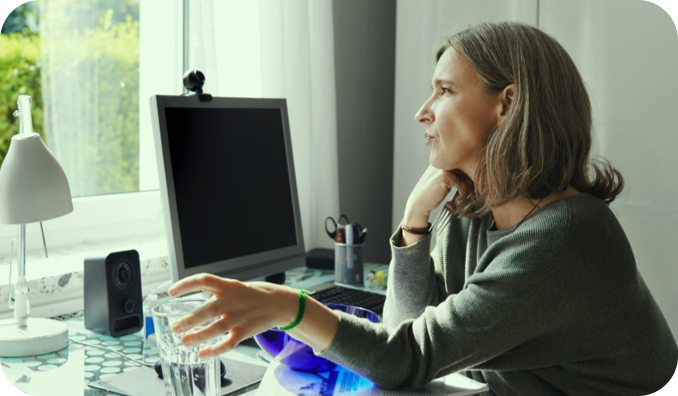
{"x":278,"y":278}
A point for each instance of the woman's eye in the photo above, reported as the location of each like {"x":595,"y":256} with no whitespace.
{"x":445,"y":90}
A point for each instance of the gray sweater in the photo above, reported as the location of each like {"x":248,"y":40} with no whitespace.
{"x":555,"y":308}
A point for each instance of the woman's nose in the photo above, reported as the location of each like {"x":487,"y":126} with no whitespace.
{"x":424,"y":115}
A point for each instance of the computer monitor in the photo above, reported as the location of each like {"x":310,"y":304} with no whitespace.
{"x":227,"y":186}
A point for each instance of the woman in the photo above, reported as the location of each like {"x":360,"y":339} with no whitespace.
{"x":532,"y":287}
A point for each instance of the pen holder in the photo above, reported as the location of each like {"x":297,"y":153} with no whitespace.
{"x":348,"y":263}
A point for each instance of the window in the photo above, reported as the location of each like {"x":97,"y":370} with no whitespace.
{"x":91,"y":66}
{"x":81,"y":66}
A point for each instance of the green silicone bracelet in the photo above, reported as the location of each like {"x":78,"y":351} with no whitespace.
{"x":300,"y":315}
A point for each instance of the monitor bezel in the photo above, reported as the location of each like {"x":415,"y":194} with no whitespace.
{"x":246,"y":267}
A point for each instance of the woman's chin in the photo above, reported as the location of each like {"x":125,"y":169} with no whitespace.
{"x":439,"y":163}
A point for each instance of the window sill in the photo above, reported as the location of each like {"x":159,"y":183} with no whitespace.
{"x":56,"y":284}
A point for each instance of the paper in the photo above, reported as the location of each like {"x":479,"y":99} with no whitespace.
{"x":280,"y":380}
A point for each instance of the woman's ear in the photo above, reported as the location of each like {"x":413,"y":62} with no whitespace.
{"x":506,"y":98}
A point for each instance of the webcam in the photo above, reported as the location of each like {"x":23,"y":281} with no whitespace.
{"x":193,"y":82}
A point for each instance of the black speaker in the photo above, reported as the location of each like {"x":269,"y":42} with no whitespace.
{"x":113,"y":304}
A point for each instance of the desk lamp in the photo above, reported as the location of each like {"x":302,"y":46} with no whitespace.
{"x":33,"y":187}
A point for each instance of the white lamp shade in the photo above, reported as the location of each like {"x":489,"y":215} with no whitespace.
{"x":33,"y":186}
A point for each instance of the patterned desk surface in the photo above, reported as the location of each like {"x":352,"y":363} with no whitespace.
{"x":70,"y":370}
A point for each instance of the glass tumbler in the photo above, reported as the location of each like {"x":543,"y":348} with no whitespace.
{"x":183,"y":372}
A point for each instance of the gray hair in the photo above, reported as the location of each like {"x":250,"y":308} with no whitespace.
{"x":544,"y":144}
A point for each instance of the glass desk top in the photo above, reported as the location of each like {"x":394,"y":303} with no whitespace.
{"x":71,"y":369}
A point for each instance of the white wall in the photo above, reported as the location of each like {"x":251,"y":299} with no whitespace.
{"x":627,"y":53}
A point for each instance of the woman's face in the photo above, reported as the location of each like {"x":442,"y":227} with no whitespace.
{"x":459,"y":115}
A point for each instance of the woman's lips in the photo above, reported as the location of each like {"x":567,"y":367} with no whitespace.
{"x":428,"y":137}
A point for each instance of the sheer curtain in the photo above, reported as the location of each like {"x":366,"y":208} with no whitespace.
{"x":279,"y":49}
{"x":90,"y":89}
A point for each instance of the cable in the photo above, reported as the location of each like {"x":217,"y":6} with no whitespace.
{"x":112,"y":350}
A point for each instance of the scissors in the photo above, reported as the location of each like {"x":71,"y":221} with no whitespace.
{"x":333,"y":234}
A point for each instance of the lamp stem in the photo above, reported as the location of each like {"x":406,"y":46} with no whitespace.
{"x":22,"y":250}
{"x":22,"y":305}
{"x":26,"y":120}
{"x":43,"y":240}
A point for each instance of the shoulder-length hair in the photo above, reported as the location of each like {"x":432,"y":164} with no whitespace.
{"x":544,"y":143}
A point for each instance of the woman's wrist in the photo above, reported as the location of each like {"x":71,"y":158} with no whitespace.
{"x":285,"y":303}
{"x":318,"y":327}
{"x":300,"y":312}
{"x":415,"y":218}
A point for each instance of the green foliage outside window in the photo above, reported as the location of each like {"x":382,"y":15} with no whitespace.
{"x":20,"y":75}
{"x":107,"y":161}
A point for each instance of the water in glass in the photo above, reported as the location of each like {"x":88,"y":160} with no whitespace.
{"x":183,"y":372}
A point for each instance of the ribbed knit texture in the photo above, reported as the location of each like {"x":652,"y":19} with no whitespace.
{"x":556,"y":307}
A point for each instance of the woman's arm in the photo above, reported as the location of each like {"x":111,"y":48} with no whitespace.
{"x":318,"y":327}
{"x":412,"y":281}
{"x":248,"y":309}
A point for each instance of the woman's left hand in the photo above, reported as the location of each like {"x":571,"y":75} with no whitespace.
{"x":246,"y":309}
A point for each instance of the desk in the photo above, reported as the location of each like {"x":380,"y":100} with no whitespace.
{"x":70,"y":370}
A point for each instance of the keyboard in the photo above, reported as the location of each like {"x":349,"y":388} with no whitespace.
{"x":357,"y":298}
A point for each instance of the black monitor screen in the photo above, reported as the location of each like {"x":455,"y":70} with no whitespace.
{"x":231,"y":182}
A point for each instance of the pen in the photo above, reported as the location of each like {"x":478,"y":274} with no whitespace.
{"x":363,"y":236}
{"x":349,"y":241}
{"x":340,"y":234}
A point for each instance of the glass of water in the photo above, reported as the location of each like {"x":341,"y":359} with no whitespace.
{"x":183,"y":372}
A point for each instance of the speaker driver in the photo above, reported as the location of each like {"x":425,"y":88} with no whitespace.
{"x":122,"y":274}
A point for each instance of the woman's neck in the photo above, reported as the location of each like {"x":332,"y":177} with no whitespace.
{"x":513,"y":212}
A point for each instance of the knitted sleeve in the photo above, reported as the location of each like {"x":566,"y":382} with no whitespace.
{"x":487,"y":318}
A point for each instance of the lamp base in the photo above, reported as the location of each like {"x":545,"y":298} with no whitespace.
{"x":40,"y":336}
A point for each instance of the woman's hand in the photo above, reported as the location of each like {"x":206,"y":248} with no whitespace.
{"x":246,"y":309}
{"x":430,"y":191}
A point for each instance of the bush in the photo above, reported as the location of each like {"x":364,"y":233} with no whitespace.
{"x":20,"y":73}
{"x":93,"y":119}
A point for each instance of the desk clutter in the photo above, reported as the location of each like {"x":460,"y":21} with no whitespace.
{"x":96,"y":371}
{"x":346,"y":233}
{"x":349,"y":239}
{"x":104,"y":371}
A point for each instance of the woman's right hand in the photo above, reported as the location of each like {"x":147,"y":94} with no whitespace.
{"x":432,"y":188}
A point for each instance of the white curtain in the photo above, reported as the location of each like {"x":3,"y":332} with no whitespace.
{"x":279,"y":49}
{"x":90,"y":85}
